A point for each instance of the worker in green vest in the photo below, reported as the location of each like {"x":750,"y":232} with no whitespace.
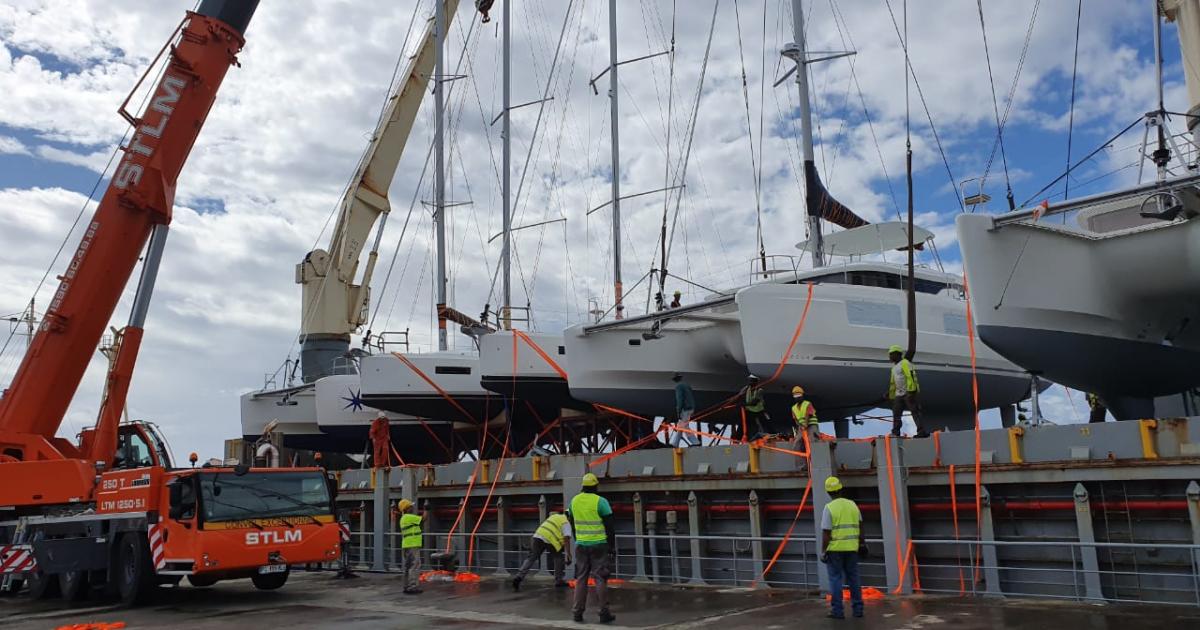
{"x":842,"y":543}
{"x":553,"y":536}
{"x":804,"y":415}
{"x":755,"y":407}
{"x":591,"y":519}
{"x":903,"y":392}
{"x":410,"y":541}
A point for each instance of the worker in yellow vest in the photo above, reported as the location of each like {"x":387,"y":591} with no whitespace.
{"x":903,"y":392}
{"x":842,"y":543}
{"x":592,"y":520}
{"x":553,"y":536}
{"x":804,"y":415}
{"x":755,"y":407}
{"x":410,"y":540}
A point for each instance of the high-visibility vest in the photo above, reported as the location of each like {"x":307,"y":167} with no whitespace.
{"x":551,"y":530}
{"x":801,"y":411}
{"x":410,"y":531}
{"x":585,"y":510}
{"x":754,"y":399}
{"x":910,"y":379}
{"x":845,"y":520}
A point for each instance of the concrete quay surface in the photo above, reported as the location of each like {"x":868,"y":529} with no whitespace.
{"x":318,"y":600}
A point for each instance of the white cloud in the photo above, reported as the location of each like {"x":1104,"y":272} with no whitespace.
{"x":289,"y":125}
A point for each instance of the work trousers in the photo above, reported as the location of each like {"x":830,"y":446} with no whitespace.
{"x":754,"y":424}
{"x":1097,"y":414}
{"x":537,"y":547}
{"x":591,"y":560}
{"x":685,"y":418}
{"x":412,"y":568}
{"x":843,"y":568}
{"x":913,"y":405}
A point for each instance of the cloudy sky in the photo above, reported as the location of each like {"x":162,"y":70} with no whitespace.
{"x":290,"y":124}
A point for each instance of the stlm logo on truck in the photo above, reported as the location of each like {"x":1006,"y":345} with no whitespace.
{"x":273,"y":538}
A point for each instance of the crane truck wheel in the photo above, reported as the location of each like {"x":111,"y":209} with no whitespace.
{"x":133,"y":573}
{"x":73,"y":585}
{"x":270,"y":581}
{"x":42,"y":586}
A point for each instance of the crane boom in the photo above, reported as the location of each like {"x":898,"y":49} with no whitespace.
{"x":333,"y":306}
{"x":137,"y":203}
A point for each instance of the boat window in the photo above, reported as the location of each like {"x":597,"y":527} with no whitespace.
{"x":881,"y":279}
{"x":562,"y":349}
{"x":861,"y":313}
{"x":452,"y":369}
{"x":635,"y":342}
{"x":954,"y":323}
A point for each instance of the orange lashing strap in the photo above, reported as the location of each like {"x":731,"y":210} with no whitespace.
{"x":795,"y":519}
{"x":540,"y":352}
{"x":795,"y":336}
{"x":962,"y":586}
{"x":439,"y":390}
{"x":488,"y":500}
{"x":937,"y":448}
{"x":978,"y":446}
{"x":891,"y":474}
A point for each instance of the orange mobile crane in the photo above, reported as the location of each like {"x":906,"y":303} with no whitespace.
{"x":111,"y":512}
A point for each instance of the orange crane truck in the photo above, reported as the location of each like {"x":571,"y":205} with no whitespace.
{"x":111,"y":512}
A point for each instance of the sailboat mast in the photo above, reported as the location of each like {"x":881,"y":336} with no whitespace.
{"x":815,"y":240}
{"x":619,"y":307}
{"x":439,"y":177}
{"x":506,"y":213}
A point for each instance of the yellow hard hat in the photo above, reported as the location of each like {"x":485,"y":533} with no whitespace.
{"x":678,"y":292}
{"x":403,"y":504}
{"x":797,"y":391}
{"x":590,"y":481}
{"x":833,"y":484}
{"x":895,"y":348}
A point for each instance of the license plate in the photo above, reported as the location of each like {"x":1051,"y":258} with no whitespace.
{"x":272,"y":568}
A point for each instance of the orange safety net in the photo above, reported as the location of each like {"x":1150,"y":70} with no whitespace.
{"x":869,"y":593}
{"x":592,"y":582}
{"x":447,"y":576}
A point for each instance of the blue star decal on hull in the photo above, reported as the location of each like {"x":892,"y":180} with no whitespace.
{"x":354,"y":402}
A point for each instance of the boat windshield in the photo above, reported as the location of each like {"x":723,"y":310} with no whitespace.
{"x":875,"y":278}
{"x":225,"y":496}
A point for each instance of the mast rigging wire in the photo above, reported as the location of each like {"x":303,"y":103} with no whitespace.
{"x":924,"y":104}
{"x":755,"y":165}
{"x":1012,"y":89}
{"x":1071,"y":115}
{"x":987,"y":55}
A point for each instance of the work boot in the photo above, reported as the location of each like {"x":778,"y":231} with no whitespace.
{"x":607,"y":617}
{"x":578,"y":618}
{"x":516,"y":584}
{"x":412,"y":591}
{"x":833,"y":615}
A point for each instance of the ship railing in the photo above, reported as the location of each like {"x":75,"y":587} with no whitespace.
{"x":1084,"y":572}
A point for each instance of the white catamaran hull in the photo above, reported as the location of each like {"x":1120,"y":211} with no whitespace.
{"x":295,"y":410}
{"x":389,"y":384}
{"x":1116,"y":313}
{"x":841,"y":357}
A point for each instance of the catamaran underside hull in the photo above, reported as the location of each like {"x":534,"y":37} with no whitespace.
{"x":1117,"y":314}
{"x":414,"y":443}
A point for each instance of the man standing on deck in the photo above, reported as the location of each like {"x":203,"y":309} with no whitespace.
{"x":1097,"y":412}
{"x":685,"y":404}
{"x":675,"y":303}
{"x":805,"y":417}
{"x":591,"y":519}
{"x":842,"y":543}
{"x":903,"y":390}
{"x":410,"y":537}
{"x":755,"y":408}
{"x":554,"y":536}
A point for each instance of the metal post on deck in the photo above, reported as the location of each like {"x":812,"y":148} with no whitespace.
{"x":672,"y":530}
{"x":987,"y":533}
{"x":501,"y":536}
{"x":380,"y":524}
{"x":543,"y":514}
{"x":1193,"y":501}
{"x":821,"y":461}
{"x":652,"y":532}
{"x":639,"y":537}
{"x":409,"y":483}
{"x":697,"y":578}
{"x":893,"y":514}
{"x":1087,"y":550}
{"x":756,"y":547}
